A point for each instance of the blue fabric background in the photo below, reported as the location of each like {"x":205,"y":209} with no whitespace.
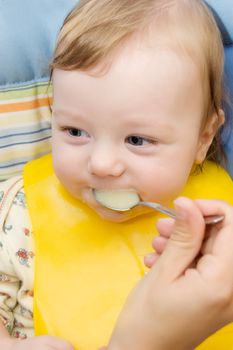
{"x":28,"y":30}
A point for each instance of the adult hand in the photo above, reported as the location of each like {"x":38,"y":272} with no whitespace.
{"x":186,"y":296}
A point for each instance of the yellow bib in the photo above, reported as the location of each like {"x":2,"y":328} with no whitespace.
{"x":85,"y":266}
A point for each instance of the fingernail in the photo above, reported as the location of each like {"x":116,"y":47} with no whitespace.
{"x":149,"y":256}
{"x":149,"y":259}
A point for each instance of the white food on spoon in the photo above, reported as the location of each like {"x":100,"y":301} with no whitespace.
{"x":117,"y":199}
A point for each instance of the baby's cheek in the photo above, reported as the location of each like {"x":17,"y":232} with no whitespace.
{"x":164,"y":189}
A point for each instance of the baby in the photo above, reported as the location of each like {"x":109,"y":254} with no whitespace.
{"x":136,"y":107}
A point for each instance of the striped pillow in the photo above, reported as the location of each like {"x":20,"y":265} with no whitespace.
{"x":25,"y":125}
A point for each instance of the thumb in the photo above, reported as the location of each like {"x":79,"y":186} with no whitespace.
{"x":185,"y":240}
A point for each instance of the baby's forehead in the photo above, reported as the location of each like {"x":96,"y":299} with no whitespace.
{"x":138,"y":76}
{"x":147,"y":54}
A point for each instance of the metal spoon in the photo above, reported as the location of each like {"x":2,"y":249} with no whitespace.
{"x":135,"y":201}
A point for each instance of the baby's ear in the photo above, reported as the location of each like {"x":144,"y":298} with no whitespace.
{"x":208,"y":133}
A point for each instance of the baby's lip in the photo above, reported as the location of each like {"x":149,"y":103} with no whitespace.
{"x":113,"y":190}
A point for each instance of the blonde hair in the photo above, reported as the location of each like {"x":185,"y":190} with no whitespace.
{"x":95,"y":29}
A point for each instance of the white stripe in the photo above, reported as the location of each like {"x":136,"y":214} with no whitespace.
{"x":25,"y":99}
{"x":22,"y":117}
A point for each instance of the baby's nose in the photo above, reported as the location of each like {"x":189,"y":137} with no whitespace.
{"x":107,"y":162}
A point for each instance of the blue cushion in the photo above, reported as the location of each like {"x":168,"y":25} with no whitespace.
{"x":28,"y":31}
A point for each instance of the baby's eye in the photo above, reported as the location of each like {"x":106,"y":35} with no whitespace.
{"x":139,"y":140}
{"x":77,"y":132}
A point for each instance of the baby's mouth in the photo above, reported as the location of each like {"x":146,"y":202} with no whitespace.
{"x":118,"y":200}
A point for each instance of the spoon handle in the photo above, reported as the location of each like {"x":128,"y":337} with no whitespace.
{"x":211,"y":219}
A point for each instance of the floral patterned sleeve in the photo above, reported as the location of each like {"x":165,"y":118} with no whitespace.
{"x":16,"y":260}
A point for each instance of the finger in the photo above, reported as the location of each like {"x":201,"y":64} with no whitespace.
{"x":222,"y":238}
{"x":165,"y":226}
{"x":159,"y":244}
{"x":150,"y":259}
{"x":185,"y":241}
{"x":216,"y":207}
{"x":210,"y":236}
{"x":57,"y":343}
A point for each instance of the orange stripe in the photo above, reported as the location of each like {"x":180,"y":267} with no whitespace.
{"x":23,"y":106}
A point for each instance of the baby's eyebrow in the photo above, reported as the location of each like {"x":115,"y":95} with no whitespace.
{"x":143,"y":124}
{"x":65,"y":113}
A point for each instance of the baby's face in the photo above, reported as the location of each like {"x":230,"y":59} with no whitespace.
{"x":135,"y":127}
